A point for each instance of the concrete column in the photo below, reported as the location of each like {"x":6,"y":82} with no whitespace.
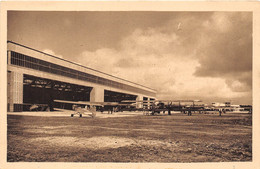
{"x":139,"y":104}
{"x":15,"y":91}
{"x":97,"y":94}
{"x":149,"y":103}
{"x":9,"y":57}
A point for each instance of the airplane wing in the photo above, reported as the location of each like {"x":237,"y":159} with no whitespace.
{"x":77,"y":102}
{"x":93,"y":103}
{"x":66,"y":101}
{"x":100,"y":103}
{"x":178,"y":100}
{"x":137,"y":101}
{"x":151,"y":101}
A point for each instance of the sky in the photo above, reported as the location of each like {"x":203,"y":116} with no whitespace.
{"x":182,"y":55}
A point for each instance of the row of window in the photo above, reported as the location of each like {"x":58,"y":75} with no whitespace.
{"x":37,"y":64}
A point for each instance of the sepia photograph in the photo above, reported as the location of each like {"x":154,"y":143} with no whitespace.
{"x":129,"y":86}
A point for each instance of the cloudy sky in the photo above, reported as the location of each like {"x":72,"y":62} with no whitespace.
{"x":183,"y":55}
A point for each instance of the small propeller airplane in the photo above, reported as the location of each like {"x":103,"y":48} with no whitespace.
{"x":89,"y":108}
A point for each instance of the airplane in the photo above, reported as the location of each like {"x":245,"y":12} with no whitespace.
{"x":90,"y":107}
{"x":156,"y":106}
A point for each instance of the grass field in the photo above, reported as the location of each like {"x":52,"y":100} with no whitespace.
{"x":176,"y":138}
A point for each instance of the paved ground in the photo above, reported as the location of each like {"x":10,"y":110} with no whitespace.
{"x":129,"y":137}
{"x":67,"y":113}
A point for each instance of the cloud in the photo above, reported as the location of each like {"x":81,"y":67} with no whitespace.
{"x":49,"y":51}
{"x":102,"y":59}
{"x":219,"y":22}
{"x":228,"y":51}
{"x":209,"y":58}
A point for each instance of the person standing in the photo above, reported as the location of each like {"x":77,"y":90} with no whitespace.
{"x":220,"y":112}
{"x":189,"y":112}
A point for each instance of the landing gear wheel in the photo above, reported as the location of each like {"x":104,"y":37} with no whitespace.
{"x":71,"y":115}
{"x":80,"y":115}
{"x":94,"y":114}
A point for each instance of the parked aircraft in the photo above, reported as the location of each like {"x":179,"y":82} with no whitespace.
{"x":153,"y":106}
{"x":90,"y":108}
{"x":156,"y":106}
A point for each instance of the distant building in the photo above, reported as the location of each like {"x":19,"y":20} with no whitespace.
{"x":232,"y":107}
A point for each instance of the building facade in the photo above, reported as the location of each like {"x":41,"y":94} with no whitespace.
{"x":35,"y":77}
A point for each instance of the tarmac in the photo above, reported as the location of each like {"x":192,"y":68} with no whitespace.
{"x":67,"y":113}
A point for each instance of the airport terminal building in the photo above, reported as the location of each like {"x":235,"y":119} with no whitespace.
{"x":35,"y":77}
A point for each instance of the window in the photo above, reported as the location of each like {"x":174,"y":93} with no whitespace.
{"x":37,"y":64}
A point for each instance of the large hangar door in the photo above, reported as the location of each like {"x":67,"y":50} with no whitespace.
{"x":44,"y":91}
{"x":111,"y":96}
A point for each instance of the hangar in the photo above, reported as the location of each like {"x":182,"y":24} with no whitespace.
{"x":35,"y":77}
